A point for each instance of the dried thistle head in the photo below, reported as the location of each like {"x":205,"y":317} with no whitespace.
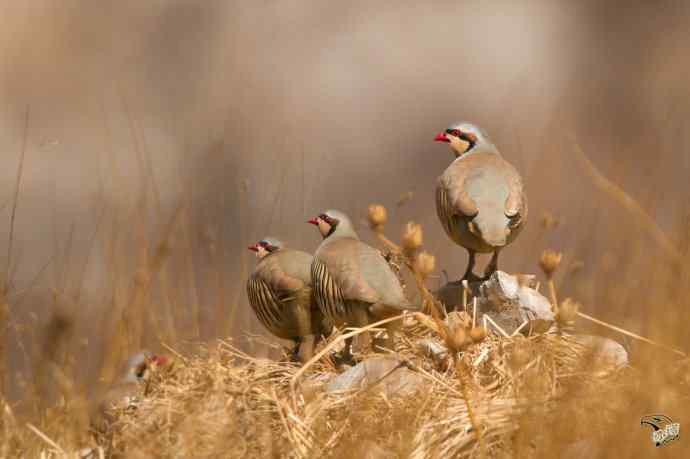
{"x":478,"y":334}
{"x":377,"y":216}
{"x":549,"y":221}
{"x":549,"y":262}
{"x":412,"y":237}
{"x":404,"y":198}
{"x":519,"y":356}
{"x":457,"y":338}
{"x":425,"y":263}
{"x":567,"y":311}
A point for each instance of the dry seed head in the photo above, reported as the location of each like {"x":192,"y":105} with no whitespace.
{"x":549,"y":261}
{"x":412,"y":237}
{"x":404,"y":198}
{"x":457,"y":338}
{"x":519,"y":357}
{"x":567,"y":311}
{"x":377,"y":216}
{"x":549,"y":221}
{"x":425,"y":263}
{"x":478,"y":334}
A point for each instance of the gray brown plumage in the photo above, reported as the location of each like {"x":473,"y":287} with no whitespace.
{"x":279,"y":292}
{"x":353,"y":284}
{"x":480,"y":198}
{"x":124,"y":392}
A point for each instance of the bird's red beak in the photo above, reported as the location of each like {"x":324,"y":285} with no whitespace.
{"x":313,"y":221}
{"x":441,"y":137}
{"x":254,"y":248}
{"x":161,"y":359}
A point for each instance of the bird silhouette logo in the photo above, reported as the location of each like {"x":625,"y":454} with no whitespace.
{"x":664,"y":430}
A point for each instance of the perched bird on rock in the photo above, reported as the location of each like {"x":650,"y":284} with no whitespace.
{"x":479,"y":198}
{"x":124,"y":393}
{"x":280,"y":294}
{"x":353,"y":284}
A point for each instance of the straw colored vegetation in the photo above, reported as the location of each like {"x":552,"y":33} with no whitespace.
{"x":490,"y":396}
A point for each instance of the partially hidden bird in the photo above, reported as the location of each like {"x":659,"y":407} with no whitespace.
{"x":125,"y":391}
{"x":480,"y":198}
{"x":280,"y":293}
{"x":353,"y":284}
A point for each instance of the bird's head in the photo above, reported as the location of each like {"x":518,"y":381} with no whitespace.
{"x":329,"y":221}
{"x":462,"y":137}
{"x":139,"y":365}
{"x":265,"y":246}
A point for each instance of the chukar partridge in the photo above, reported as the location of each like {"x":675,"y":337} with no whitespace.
{"x":480,"y":199}
{"x":125,"y":391}
{"x":353,"y":284}
{"x":280,"y":294}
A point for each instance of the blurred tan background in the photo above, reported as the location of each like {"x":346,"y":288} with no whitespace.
{"x":256,"y":115}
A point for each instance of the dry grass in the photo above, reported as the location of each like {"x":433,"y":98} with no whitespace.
{"x":220,"y":402}
{"x":503,"y":396}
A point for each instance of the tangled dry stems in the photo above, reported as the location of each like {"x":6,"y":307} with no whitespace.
{"x":223,"y":397}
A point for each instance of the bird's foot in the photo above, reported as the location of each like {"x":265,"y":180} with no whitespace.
{"x":490,"y":270}
{"x":293,"y":355}
{"x":471,"y":277}
{"x":341,"y":359}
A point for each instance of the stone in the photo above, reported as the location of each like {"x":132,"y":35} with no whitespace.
{"x":432,"y":349}
{"x":389,"y":373}
{"x":510,"y":300}
{"x":605,"y":354}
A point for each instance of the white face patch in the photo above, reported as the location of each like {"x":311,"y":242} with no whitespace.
{"x":261,"y":252}
{"x":324,"y":228}
{"x":458,"y":145}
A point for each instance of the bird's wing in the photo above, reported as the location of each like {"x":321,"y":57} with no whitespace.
{"x":378,"y":275}
{"x":451,"y":191}
{"x":516,"y":203}
{"x":341,"y":260}
{"x":295,"y":264}
{"x":267,"y":305}
{"x":278,"y":270}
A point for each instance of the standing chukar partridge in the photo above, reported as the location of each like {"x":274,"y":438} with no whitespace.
{"x":280,"y":294}
{"x":353,"y":284}
{"x":125,"y":391}
{"x":479,"y":198}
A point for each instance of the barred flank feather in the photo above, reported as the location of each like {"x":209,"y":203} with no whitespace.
{"x":444,"y":209}
{"x":328,"y":296}
{"x":266,"y":305}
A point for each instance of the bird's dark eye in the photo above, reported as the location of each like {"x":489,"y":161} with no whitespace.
{"x":141,"y":368}
{"x":515,"y":221}
{"x":454,"y":132}
{"x":325,"y":218}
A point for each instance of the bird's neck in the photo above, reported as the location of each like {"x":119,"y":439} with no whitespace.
{"x":340,"y":233}
{"x":481,"y":149}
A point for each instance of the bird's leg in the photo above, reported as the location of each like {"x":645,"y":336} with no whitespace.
{"x":294,"y":355}
{"x":492,"y":267}
{"x":305,"y":343}
{"x":347,"y":351}
{"x":306,"y":348}
{"x":469,"y":274}
{"x":391,"y":330}
{"x":361,"y":319}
